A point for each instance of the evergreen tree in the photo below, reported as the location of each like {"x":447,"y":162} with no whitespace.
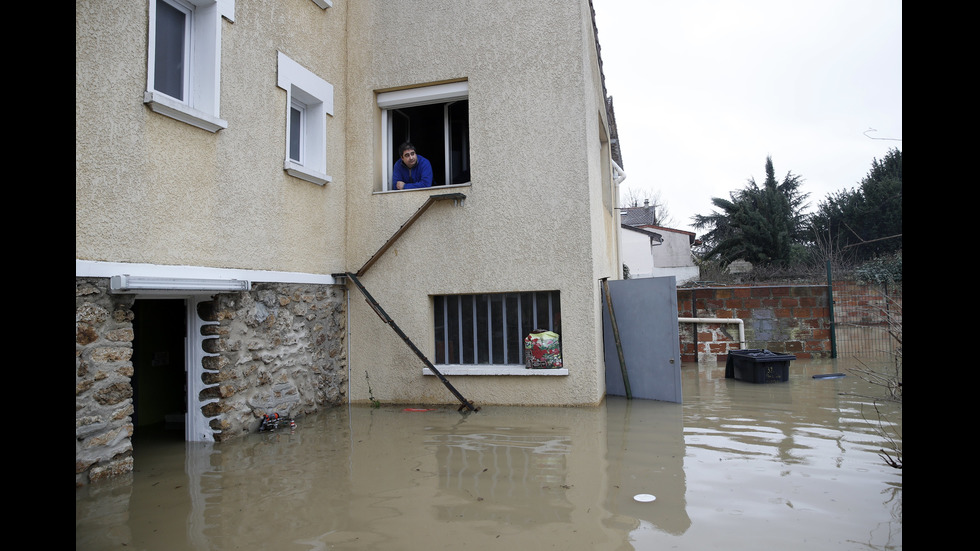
{"x":764,"y":225}
{"x":866,"y":221}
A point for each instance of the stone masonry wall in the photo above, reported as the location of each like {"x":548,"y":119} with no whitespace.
{"x":281,"y":348}
{"x":103,"y":370}
{"x":278,"y":348}
{"x":784,"y":319}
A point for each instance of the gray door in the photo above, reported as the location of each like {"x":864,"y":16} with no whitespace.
{"x":646,"y":315}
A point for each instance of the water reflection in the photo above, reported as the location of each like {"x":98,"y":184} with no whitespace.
{"x":737,"y":465}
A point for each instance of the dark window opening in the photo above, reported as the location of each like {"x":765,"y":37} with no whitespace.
{"x":440,"y":133}
{"x":489,"y":329}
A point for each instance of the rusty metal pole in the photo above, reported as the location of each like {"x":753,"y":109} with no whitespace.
{"x":619,"y":344}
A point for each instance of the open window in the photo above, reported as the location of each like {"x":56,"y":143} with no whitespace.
{"x":489,"y":329}
{"x":309,"y":99}
{"x":184,"y":60}
{"x":436,"y":120}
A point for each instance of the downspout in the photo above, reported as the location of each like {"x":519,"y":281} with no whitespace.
{"x":741,"y":326}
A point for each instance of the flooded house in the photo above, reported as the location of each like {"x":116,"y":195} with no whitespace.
{"x":242,"y":246}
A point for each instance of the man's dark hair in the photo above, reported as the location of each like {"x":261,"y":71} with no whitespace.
{"x":404,"y":146}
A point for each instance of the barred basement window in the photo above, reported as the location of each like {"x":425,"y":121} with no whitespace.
{"x":489,"y":329}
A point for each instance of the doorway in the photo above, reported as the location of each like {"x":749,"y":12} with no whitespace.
{"x":159,"y":368}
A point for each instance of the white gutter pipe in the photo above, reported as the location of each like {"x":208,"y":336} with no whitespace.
{"x":741,"y":325}
{"x":618,"y":173}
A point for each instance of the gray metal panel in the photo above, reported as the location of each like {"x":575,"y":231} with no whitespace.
{"x":646,"y":314}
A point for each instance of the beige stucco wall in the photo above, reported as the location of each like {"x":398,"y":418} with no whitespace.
{"x":150,"y":189}
{"x":533,"y":218}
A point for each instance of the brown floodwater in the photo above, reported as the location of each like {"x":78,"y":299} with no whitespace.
{"x":737,"y":466}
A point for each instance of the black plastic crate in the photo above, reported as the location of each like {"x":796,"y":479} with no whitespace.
{"x":758,"y":366}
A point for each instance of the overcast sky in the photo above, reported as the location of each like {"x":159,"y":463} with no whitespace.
{"x":705,"y":90}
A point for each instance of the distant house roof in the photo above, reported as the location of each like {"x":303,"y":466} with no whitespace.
{"x":646,"y":217}
{"x":691,"y":236}
{"x":640,"y":216}
{"x":651,"y":234}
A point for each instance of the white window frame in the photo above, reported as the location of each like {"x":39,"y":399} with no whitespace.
{"x":200,"y":105}
{"x":388,"y":101}
{"x":315,"y":96}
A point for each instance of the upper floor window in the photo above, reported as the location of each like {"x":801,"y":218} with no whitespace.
{"x":309,"y":99}
{"x":184,"y":60}
{"x":435,"y":119}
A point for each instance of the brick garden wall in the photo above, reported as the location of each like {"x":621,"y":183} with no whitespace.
{"x":784,"y":319}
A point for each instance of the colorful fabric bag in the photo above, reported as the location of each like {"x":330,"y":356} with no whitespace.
{"x":542,"y":350}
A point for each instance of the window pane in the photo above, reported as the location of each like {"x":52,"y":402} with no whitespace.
{"x":483,"y":336}
{"x":497,"y":329}
{"x":528,"y":323}
{"x":452,"y":326}
{"x":514,"y":345}
{"x":466,"y":329}
{"x":459,"y":142}
{"x":295,"y":134}
{"x":542,"y":309}
{"x":168,"y":61}
{"x":439,"y":319}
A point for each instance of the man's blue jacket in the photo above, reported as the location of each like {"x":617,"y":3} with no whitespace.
{"x":419,"y":176}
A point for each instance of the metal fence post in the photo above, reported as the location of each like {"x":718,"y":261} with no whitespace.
{"x":830,"y":302}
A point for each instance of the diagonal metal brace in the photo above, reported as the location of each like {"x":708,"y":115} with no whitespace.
{"x":387,"y":319}
{"x":457,"y":199}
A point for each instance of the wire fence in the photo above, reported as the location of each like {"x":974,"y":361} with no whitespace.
{"x":867,"y":319}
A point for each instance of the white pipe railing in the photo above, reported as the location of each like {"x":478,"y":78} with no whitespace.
{"x":741,"y":325}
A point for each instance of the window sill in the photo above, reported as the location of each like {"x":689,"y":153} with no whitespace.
{"x":493,"y":370}
{"x":303,"y":173}
{"x":430,"y":188}
{"x":174,"y":109}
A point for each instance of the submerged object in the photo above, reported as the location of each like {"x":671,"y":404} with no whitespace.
{"x":758,"y":366}
{"x":271,"y":422}
{"x":829,"y":376}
